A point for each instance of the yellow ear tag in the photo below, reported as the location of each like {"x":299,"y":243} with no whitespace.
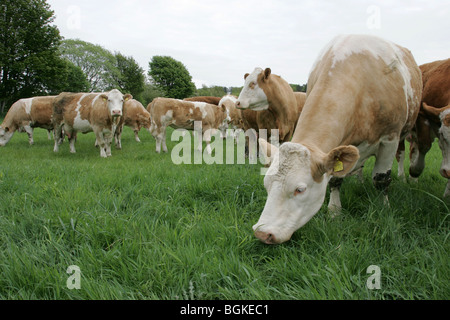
{"x":338,"y":165}
{"x":104,"y":99}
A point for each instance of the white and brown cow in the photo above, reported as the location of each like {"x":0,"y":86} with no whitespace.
{"x":363,"y":97}
{"x":275,"y":100}
{"x":134,"y":116}
{"x":233,"y":119}
{"x":182,"y":114}
{"x":433,"y":120}
{"x":26,"y":114}
{"x":87,"y":112}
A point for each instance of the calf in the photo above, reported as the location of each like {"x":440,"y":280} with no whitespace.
{"x":182,"y":114}
{"x":134,"y":116}
{"x":433,"y":120}
{"x":87,"y":112}
{"x":363,"y":97}
{"x":26,"y":114}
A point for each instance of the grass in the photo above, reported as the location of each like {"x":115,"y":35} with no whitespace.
{"x":140,"y":227}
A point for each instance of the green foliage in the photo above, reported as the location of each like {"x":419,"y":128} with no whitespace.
{"x":98,"y":64}
{"x":298,"y":88}
{"x":130,"y":78}
{"x":29,"y":57}
{"x":155,"y":230}
{"x":150,"y":92}
{"x":213,"y":91}
{"x":171,"y":76}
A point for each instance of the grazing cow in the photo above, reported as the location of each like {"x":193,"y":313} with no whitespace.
{"x":182,"y":114}
{"x":26,"y":114}
{"x":433,"y":120}
{"x":134,"y":116}
{"x":87,"y":112}
{"x":267,"y":92}
{"x":207,"y":99}
{"x":363,"y":96}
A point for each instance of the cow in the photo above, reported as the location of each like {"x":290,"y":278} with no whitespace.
{"x":363,"y":97}
{"x":233,"y":119}
{"x":207,"y":99}
{"x":87,"y":112}
{"x":176,"y":113}
{"x":25,"y":115}
{"x":433,"y":120}
{"x":134,"y":116}
{"x":274,"y":98}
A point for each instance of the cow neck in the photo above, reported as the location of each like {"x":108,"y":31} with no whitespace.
{"x":281,"y":104}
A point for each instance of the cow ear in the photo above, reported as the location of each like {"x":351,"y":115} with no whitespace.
{"x":268,"y":150}
{"x":104,"y":97}
{"x":339,"y":161}
{"x":267,"y":73}
{"x":6,"y":129}
{"x":127,"y":97}
{"x":246,"y":75}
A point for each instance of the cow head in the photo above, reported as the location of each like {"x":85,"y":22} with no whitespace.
{"x":115,"y":100}
{"x":5,"y":135}
{"x":441,"y":115}
{"x":296,"y":184}
{"x":252,"y":95}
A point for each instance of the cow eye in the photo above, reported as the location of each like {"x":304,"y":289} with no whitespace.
{"x":299,"y":190}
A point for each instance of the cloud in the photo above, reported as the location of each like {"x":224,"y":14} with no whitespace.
{"x":219,"y":41}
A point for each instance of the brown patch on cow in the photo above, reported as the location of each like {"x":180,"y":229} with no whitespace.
{"x":207,"y":99}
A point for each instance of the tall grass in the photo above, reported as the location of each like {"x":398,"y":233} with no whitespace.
{"x":140,"y":227}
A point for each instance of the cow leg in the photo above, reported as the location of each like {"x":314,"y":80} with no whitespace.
{"x":421,"y":142}
{"x":136,"y":136}
{"x":29,"y":131}
{"x":159,"y":135}
{"x":108,"y":137}
{"x":72,"y":143}
{"x":49,"y":134}
{"x":207,"y":139}
{"x":400,"y":156}
{"x":101,"y":143}
{"x":118,"y":137}
{"x":57,"y":132}
{"x":164,"y":146}
{"x":334,"y":206}
{"x":381,"y":174}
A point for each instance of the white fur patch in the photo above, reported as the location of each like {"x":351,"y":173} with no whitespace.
{"x":78,"y":123}
{"x":28,"y":102}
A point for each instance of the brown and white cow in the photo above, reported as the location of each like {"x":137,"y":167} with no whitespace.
{"x":87,"y":112}
{"x":176,"y":113}
{"x":274,"y":98}
{"x":233,"y":119}
{"x":26,"y":114}
{"x":363,"y":96}
{"x":433,"y":120}
{"x":207,"y":99}
{"x":134,"y":116}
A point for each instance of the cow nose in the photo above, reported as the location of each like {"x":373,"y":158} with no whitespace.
{"x":238,"y":104}
{"x":117,"y":112}
{"x":445,"y":173}
{"x":266,"y":237}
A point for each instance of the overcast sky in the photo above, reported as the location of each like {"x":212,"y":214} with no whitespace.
{"x":219,"y":41}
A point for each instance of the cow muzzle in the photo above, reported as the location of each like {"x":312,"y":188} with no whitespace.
{"x":116,"y":113}
{"x":445,"y":173}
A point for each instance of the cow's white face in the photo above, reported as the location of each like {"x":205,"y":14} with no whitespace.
{"x":252,"y":96}
{"x":5,"y":136}
{"x":444,"y":143}
{"x":296,"y":184}
{"x":115,"y":100}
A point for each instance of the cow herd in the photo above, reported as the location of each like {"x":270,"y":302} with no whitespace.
{"x":365,"y":96}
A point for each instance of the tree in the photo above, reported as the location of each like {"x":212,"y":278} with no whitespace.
{"x":29,"y":56}
{"x":171,"y":76}
{"x":131,"y":77}
{"x":98,"y":64}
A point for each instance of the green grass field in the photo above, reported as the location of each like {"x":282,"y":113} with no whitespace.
{"x":140,"y":227}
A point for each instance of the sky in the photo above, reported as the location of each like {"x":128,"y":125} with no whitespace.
{"x":220,"y":41}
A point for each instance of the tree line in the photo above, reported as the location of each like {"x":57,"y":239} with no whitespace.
{"x":36,"y":60}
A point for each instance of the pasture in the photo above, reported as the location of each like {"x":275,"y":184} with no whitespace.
{"x":140,"y":227}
